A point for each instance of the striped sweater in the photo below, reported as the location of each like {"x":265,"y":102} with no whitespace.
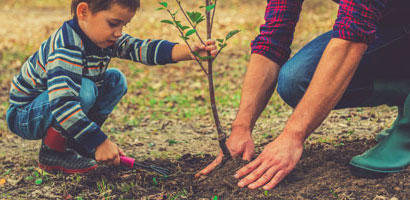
{"x":63,"y":60}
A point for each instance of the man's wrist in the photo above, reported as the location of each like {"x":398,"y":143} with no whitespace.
{"x":241,"y":127}
{"x":295,"y":135}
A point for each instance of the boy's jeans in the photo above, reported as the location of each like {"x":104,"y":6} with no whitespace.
{"x":32,"y":120}
{"x":388,"y":58}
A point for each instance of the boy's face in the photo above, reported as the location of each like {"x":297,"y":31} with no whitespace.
{"x":103,"y":27}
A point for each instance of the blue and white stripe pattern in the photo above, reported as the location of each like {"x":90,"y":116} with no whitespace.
{"x":63,"y":60}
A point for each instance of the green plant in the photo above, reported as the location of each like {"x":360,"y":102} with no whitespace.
{"x":195,"y":18}
{"x":38,"y":175}
{"x":103,"y":188}
{"x":183,"y":193}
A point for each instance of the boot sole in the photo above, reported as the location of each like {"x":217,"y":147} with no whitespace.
{"x":364,"y":173}
{"x":49,"y":168}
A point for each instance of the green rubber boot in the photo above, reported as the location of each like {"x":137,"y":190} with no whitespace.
{"x":383,"y":134}
{"x":389,"y":92}
{"x":391,"y":155}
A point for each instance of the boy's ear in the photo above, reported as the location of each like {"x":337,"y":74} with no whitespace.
{"x":83,"y":10}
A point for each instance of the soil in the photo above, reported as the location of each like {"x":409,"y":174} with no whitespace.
{"x":322,"y":173}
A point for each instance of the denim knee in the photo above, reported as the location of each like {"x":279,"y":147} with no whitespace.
{"x":116,"y":82}
{"x":88,"y":94}
{"x":291,"y":88}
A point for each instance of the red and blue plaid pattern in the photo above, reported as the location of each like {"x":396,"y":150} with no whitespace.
{"x":356,"y":21}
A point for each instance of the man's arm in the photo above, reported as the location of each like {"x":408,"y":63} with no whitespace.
{"x":334,"y":72}
{"x":258,"y":87}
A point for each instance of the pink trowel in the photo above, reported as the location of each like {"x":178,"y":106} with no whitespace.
{"x":130,"y":162}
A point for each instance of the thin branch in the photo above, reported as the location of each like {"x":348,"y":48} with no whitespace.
{"x":213,"y":14}
{"x":218,"y":53}
{"x":190,"y":22}
{"x":189,"y":46}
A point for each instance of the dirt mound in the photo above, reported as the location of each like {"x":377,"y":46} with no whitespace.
{"x":323,"y":173}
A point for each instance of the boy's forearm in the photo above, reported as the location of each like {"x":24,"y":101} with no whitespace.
{"x":181,"y":52}
{"x":259,"y":85}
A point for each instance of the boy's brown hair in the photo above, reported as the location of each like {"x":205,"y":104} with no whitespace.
{"x":99,"y":5}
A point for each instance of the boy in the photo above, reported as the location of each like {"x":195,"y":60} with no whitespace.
{"x":65,"y":92}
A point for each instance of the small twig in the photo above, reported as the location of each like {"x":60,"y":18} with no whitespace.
{"x":228,"y":183}
{"x":190,"y":22}
{"x":219,"y":51}
{"x":213,"y":14}
{"x":189,"y":46}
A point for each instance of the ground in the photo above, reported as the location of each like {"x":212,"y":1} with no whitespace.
{"x":165,"y":118}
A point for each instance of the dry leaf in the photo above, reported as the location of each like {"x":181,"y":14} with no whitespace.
{"x":2,"y":181}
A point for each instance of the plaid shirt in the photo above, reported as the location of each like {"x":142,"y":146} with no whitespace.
{"x":356,"y":21}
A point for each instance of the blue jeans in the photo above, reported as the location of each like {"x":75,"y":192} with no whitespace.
{"x":388,"y":58}
{"x":31,"y":121}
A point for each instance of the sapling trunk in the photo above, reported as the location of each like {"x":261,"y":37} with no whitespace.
{"x":221,"y":133}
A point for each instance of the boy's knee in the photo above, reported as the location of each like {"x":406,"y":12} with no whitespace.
{"x":88,"y":94}
{"x":115,"y":81}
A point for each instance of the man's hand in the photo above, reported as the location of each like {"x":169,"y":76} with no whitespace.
{"x":240,"y":143}
{"x":108,"y":153}
{"x":275,"y":162}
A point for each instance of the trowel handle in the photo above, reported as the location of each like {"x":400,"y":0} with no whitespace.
{"x":127,"y":161}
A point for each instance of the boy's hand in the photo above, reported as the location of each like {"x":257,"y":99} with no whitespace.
{"x":204,"y":49}
{"x":108,"y":153}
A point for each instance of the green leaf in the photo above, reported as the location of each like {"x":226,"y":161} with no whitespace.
{"x":184,"y":38}
{"x":231,"y":34}
{"x":196,"y":54}
{"x":222,"y":45}
{"x":210,"y":7}
{"x":184,"y":28}
{"x":178,"y":23}
{"x":36,"y":174}
{"x":38,"y":181}
{"x":175,"y":13}
{"x":190,"y":32}
{"x":155,"y":181}
{"x":196,"y":17}
{"x":215,"y":198}
{"x":220,"y":40}
{"x":207,"y":58}
{"x":200,"y":20}
{"x":160,"y":8}
{"x":163,"y":3}
{"x":7,"y":172}
{"x":29,"y":178}
{"x":165,"y":21}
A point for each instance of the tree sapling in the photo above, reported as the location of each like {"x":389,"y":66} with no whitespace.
{"x":194,"y":18}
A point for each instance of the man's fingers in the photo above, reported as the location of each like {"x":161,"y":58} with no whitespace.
{"x":275,"y":180}
{"x":248,"y":168}
{"x":210,"y":167}
{"x":265,"y":178}
{"x":247,"y":155}
{"x":254,"y":175}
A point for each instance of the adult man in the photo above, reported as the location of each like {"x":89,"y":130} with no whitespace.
{"x":364,"y":61}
